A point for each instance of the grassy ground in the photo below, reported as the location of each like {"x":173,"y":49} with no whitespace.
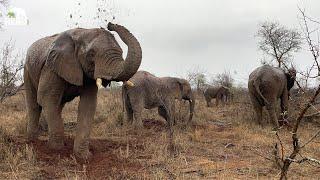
{"x":222,"y":142}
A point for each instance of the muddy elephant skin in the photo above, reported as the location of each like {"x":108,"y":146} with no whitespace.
{"x":150,"y":92}
{"x":266,"y":86}
{"x":220,"y":93}
{"x":63,"y":66}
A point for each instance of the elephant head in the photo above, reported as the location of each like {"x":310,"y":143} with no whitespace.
{"x":95,"y":54}
{"x":291,"y":77}
{"x":183,"y":91}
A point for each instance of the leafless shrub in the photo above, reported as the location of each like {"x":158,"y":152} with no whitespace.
{"x":282,"y":160}
{"x":11,"y":66}
{"x":224,"y":79}
{"x":197,"y":78}
{"x":278,"y":42}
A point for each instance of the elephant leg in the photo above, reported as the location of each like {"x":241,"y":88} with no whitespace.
{"x":272,"y":113}
{"x":52,"y":112}
{"x":162,"y":111}
{"x":257,"y":108}
{"x":138,"y":118}
{"x":50,"y":92}
{"x":86,"y":111}
{"x":208,"y":100}
{"x":224,"y":100}
{"x":218,"y":98}
{"x":137,"y":107}
{"x":33,"y":109}
{"x":129,"y":114}
{"x":129,"y":111}
{"x":167,"y":112}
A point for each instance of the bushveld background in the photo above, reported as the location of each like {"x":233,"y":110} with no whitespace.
{"x":221,"y":142}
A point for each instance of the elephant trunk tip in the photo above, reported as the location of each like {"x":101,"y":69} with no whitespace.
{"x":111,"y":26}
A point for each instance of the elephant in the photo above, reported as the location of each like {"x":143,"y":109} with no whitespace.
{"x":150,"y":92}
{"x":220,"y":93}
{"x":76,"y":62}
{"x":266,"y":85}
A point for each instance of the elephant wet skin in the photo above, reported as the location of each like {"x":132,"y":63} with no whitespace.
{"x":61,"y":67}
{"x":266,"y":86}
{"x":150,"y":92}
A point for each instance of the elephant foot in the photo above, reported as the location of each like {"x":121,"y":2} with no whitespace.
{"x":129,"y":122}
{"x":32,"y":136}
{"x":56,"y":144}
{"x":83,"y":157}
{"x":138,"y":125}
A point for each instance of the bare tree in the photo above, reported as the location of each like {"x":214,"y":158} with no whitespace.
{"x":3,"y":4}
{"x":11,"y":66}
{"x":224,"y":79}
{"x":197,"y":78}
{"x":278,"y":42}
{"x":282,"y":160}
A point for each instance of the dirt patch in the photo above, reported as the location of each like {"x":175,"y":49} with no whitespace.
{"x":154,"y":124}
{"x":106,"y":161}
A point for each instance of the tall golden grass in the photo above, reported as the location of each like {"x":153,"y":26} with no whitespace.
{"x":221,"y":142}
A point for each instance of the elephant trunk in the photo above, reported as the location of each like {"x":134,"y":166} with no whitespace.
{"x":191,"y":103}
{"x":134,"y":55}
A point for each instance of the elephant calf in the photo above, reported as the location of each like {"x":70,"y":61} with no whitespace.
{"x":220,"y":93}
{"x":150,"y":92}
{"x":266,"y":85}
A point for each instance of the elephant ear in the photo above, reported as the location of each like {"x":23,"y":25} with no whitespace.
{"x":63,"y":61}
{"x":181,"y":85}
{"x":291,"y":77}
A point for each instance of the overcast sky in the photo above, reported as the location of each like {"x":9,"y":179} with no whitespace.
{"x":175,"y":35}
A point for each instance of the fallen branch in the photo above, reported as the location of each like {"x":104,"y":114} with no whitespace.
{"x":311,"y":139}
{"x":306,"y":159}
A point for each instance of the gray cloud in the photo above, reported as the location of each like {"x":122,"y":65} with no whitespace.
{"x":215,"y":35}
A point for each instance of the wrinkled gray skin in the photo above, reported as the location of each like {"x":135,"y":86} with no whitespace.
{"x":150,"y":92}
{"x":63,"y":66}
{"x":220,"y":93}
{"x":266,"y":85}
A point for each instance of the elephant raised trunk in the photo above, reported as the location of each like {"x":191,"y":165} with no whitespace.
{"x":134,"y":55}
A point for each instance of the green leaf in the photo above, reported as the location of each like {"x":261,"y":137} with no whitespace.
{"x":11,"y":14}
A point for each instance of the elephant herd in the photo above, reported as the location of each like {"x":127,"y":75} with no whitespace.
{"x":77,"y":62}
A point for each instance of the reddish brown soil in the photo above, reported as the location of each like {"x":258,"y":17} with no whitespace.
{"x":157,"y":125}
{"x":105,"y":163}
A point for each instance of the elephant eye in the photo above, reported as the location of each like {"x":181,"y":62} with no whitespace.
{"x":91,"y":53}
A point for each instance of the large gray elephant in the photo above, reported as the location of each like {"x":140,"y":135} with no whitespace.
{"x":63,"y":66}
{"x":266,"y":85}
{"x":220,"y":93}
{"x":150,"y":92}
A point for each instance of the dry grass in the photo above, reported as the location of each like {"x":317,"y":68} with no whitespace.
{"x":222,"y":142}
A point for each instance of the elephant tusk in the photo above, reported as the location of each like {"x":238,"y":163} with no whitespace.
{"x":99,"y":83}
{"x":128,"y":83}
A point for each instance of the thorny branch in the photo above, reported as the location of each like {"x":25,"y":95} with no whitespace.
{"x":314,"y":49}
{"x":10,"y":71}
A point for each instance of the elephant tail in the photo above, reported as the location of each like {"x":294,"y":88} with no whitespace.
{"x":265,"y":101}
